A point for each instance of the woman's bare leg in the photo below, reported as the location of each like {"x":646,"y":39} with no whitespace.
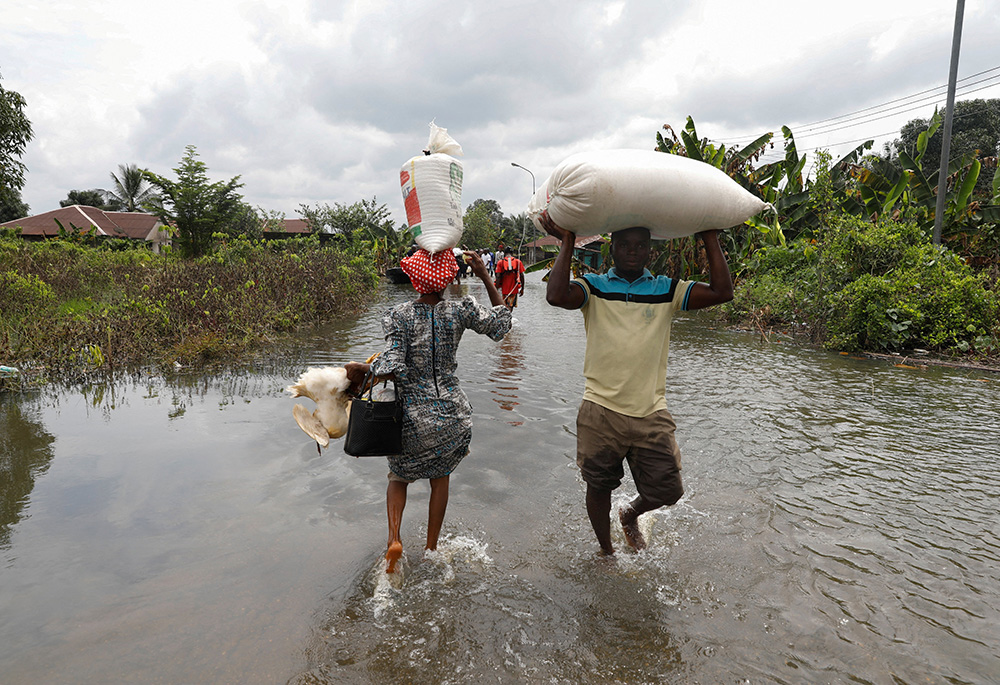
{"x":435,"y":509}
{"x":395,"y":502}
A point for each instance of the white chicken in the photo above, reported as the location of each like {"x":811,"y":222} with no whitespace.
{"x":327,"y":387}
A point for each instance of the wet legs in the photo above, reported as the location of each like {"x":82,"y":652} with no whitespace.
{"x":599,"y":511}
{"x":629,"y":517}
{"x":435,"y":509}
{"x":395,"y":502}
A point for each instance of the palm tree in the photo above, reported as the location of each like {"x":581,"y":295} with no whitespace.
{"x":131,"y":191}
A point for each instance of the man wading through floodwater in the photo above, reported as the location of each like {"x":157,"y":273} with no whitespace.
{"x":623,"y":416}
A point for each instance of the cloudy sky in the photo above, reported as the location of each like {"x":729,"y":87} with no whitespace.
{"x":322,"y":101}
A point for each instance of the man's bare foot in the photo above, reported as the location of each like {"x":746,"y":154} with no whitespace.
{"x":392,"y":555}
{"x":630,"y":526}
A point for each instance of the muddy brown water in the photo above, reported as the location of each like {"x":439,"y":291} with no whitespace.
{"x":839,"y":525}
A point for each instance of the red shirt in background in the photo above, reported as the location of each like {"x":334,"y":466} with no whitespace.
{"x":510,"y":279}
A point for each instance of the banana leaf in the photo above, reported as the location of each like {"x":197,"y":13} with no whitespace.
{"x":692,"y":147}
{"x":538,"y":266}
{"x":850,"y":159}
{"x":990,"y":214}
{"x":923,"y":192}
{"x":754,"y":147}
{"x":968,"y":185}
{"x":895,"y":192}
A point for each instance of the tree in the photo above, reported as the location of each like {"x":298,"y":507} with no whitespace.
{"x":518,"y":229}
{"x":365,"y":219}
{"x":251,"y":222}
{"x":481,"y":224}
{"x":195,"y":207}
{"x":11,"y":205}
{"x":15,"y":132}
{"x":975,"y":130}
{"x":87,"y":198}
{"x":131,"y":191}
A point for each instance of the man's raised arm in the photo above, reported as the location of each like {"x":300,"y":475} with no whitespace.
{"x":558,"y":291}
{"x":720,"y":281}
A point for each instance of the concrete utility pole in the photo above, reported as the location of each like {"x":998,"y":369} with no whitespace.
{"x":949,"y":113}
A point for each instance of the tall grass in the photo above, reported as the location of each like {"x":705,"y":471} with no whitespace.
{"x":69,"y":308}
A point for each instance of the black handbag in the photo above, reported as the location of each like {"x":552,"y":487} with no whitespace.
{"x":374,"y":428}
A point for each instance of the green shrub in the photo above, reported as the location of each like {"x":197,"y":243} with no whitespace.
{"x":767,"y":299}
{"x":931,"y":301}
{"x":26,"y":295}
{"x":70,"y":306}
{"x":853,"y":247}
{"x":870,"y":286}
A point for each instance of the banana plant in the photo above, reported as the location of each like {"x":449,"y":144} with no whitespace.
{"x":388,"y":243}
{"x":679,"y":255}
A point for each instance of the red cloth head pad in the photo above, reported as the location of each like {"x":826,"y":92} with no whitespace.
{"x":430,"y":273}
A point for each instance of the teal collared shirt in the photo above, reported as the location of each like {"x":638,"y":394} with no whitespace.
{"x":647,"y":288}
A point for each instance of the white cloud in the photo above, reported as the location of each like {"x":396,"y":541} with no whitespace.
{"x":323,"y":101}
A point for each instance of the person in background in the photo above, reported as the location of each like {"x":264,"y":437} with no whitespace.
{"x":510,"y":278}
{"x":627,"y":314}
{"x":488,"y":261}
{"x":422,"y":339}
{"x":463,"y":266}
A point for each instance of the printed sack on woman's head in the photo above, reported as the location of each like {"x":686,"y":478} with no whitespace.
{"x":432,"y":192}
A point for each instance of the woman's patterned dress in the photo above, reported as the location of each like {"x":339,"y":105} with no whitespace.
{"x":421,"y":347}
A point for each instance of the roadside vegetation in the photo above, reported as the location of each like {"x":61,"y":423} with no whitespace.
{"x":846,"y":261}
{"x":67,"y":309}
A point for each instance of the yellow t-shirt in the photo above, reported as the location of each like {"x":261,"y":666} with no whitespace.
{"x":628,"y":339}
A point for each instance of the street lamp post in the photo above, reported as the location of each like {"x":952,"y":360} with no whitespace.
{"x":524,"y":226}
{"x":532,"y":176}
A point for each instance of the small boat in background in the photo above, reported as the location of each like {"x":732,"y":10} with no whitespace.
{"x":396,"y":275}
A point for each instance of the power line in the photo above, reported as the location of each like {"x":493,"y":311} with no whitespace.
{"x":891,"y":113}
{"x":891,"y":102}
{"x":773,"y":157}
{"x":881,"y":108}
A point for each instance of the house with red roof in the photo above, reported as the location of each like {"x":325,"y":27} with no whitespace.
{"x":131,"y":225}
{"x":128,"y":225}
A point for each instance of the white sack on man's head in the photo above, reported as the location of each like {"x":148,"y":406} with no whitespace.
{"x":609,"y":190}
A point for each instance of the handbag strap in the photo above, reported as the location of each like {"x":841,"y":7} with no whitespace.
{"x":369,"y":384}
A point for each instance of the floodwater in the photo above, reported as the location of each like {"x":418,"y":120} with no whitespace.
{"x":839,"y":525}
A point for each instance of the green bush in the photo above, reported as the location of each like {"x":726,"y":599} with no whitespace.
{"x":26,"y":295}
{"x":919,"y":296}
{"x":767,"y":299}
{"x":864,"y":286}
{"x":853,"y":247}
{"x":68,"y":306}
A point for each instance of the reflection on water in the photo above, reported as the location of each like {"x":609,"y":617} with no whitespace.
{"x":839,"y":525}
{"x":25,"y":454}
{"x":506,"y":377}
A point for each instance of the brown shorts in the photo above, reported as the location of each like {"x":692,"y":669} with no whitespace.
{"x":604,"y":438}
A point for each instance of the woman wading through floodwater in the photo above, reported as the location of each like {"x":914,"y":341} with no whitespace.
{"x":420,"y":357}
